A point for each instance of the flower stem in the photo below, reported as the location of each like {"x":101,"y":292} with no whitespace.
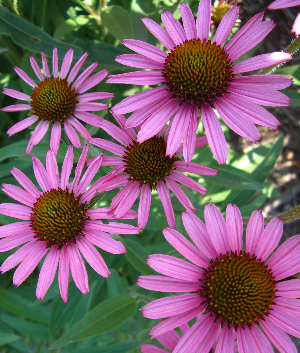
{"x":292,"y":49}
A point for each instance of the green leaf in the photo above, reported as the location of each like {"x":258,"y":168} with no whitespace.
{"x":7,"y":338}
{"x":291,"y":71}
{"x":116,"y":20}
{"x":20,"y":306}
{"x":13,"y":150}
{"x":113,"y":348}
{"x":137,"y":256}
{"x":295,"y":97}
{"x":259,"y":174}
{"x":105,"y":317}
{"x":229,"y":180}
{"x":26,"y":327}
{"x":114,"y":284}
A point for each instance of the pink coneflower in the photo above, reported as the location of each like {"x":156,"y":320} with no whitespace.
{"x":197,"y":73}
{"x":142,"y":167}
{"x":58,"y":100}
{"x":282,"y":4}
{"x":231,"y":291}
{"x":58,"y":222}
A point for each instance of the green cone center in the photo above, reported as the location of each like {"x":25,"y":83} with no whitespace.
{"x":58,"y":217}
{"x":147,"y":162}
{"x":197,"y":72}
{"x":238,"y":289}
{"x":53,"y":100}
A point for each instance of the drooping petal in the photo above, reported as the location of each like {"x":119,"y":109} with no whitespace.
{"x":225,"y":343}
{"x":63,"y":273}
{"x":37,"y":135}
{"x":165,"y":198}
{"x":179,"y":193}
{"x":21,"y":125}
{"x":71,"y":133}
{"x":144,"y":206}
{"x":78,"y":269}
{"x":55,"y":137}
{"x":11,"y":242}
{"x":104,"y":241}
{"x":19,"y":194}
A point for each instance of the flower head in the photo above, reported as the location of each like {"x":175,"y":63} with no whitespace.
{"x":199,"y":73}
{"x":144,"y":166}
{"x":232,"y":287}
{"x":58,"y":222}
{"x":58,"y":99}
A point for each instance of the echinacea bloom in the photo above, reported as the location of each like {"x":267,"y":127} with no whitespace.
{"x":197,"y":73}
{"x":58,"y":99}
{"x":142,"y":167}
{"x":58,"y":223}
{"x":282,"y":4}
{"x":232,"y":288}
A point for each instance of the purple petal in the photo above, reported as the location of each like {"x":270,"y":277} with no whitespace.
{"x":55,"y":63}
{"x":144,"y":206}
{"x":173,"y":27}
{"x":15,"y":210}
{"x":25,"y":77}
{"x":165,"y":198}
{"x":16,"y":94}
{"x":63,"y":273}
{"x":188,"y":21}
{"x":52,"y":169}
{"x":78,"y":269}
{"x":37,"y":135}
{"x":45,"y":66}
{"x":76,"y":68}
{"x":226,"y":25}
{"x":55,"y":137}
{"x":36,"y":69}
{"x":67,"y":168}
{"x":203,"y":19}
{"x":25,"y":182}
{"x":66,"y":64}
{"x":71,"y":133}
{"x":254,"y":231}
{"x":159,"y":33}
{"x":19,"y":194}
{"x":21,"y":125}
{"x":234,"y":225}
{"x":41,"y":175}
{"x":167,"y":284}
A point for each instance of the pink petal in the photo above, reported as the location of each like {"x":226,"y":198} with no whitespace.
{"x":171,"y":306}
{"x":13,"y":241}
{"x":15,"y":229}
{"x":203,"y":19}
{"x":16,"y":108}
{"x":63,"y":273}
{"x":84,"y":75}
{"x":281,"y":4}
{"x":226,"y":25}
{"x":138,"y":78}
{"x":87,"y":97}
{"x":15,"y":210}
{"x":179,"y":193}
{"x":269,"y":238}
{"x":215,"y":135}
{"x":167,"y":284}
{"x":55,"y":63}
{"x":245,"y":341}
{"x":130,"y":193}
{"x":138,"y":61}
{"x":185,"y":248}
{"x":47,"y":272}
{"x":55,"y":137}
{"x":37,"y":135}
{"x":71,"y":133}
{"x":290,"y":304}
{"x":144,"y":206}
{"x":41,"y":174}
{"x":104,"y":241}
{"x":114,"y":227}
{"x":36,"y":68}
{"x":80,"y":128}
{"x":148,"y":50}
{"x":169,"y":339}
{"x":194,"y":168}
{"x":25,"y":77}
{"x":261,"y":61}
{"x":150,"y":348}
{"x":93,"y":257}
{"x":78,"y":269}
{"x":274,"y":82}
{"x":216,"y":228}
{"x":92,"y":81}
{"x":187,"y":181}
{"x":67,"y":168}
{"x":261,"y":341}
{"x":175,"y":321}
{"x":288,"y":289}
{"x":173,"y":27}
{"x":236,"y":121}
{"x":30,"y":262}
{"x":18,"y":194}
{"x":254,"y":231}
{"x":26,"y":183}
{"x":234,"y":225}
{"x":225,"y":343}
{"x":45,"y":66}
{"x":140,"y":100}
{"x":66,"y":64}
{"x":108,"y":145}
{"x":52,"y":169}
{"x":296,"y":26}
{"x":159,"y":33}
{"x":103,"y":213}
{"x":76,"y":68}
{"x":88,"y":118}
{"x":189,"y":142}
{"x":16,"y":94}
{"x":197,"y":231}
{"x":21,"y":125}
{"x":79,"y":167}
{"x":278,"y":337}
{"x":188,"y":21}
{"x":165,"y":198}
{"x":174,"y":267}
{"x":118,"y":134}
{"x":286,"y":320}
{"x":16,"y":258}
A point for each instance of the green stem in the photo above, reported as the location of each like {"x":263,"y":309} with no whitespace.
{"x":286,"y":217}
{"x":292,"y":49}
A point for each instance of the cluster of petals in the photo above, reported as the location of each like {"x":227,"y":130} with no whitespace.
{"x":83,"y":107}
{"x":282,"y":4}
{"x":125,"y":198}
{"x":218,"y":236}
{"x":240,"y":108}
{"x":68,"y":258}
